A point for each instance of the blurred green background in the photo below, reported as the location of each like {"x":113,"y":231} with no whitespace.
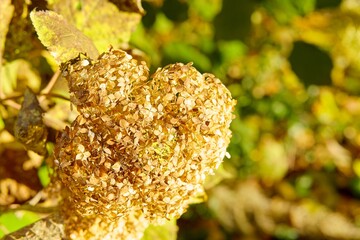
{"x":293,"y":67}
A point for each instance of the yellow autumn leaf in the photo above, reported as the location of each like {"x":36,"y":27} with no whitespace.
{"x":63,"y":40}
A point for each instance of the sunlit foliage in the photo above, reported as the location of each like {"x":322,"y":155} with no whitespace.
{"x":293,"y":67}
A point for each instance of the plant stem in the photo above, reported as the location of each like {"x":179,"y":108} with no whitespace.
{"x":46,"y":90}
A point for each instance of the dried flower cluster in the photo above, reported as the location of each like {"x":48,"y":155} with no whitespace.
{"x":141,"y":147}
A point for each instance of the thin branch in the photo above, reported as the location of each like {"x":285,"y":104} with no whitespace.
{"x":9,"y":100}
{"x":46,"y":90}
{"x":55,"y":95}
{"x":11,"y":103}
{"x":12,"y":96}
{"x":27,"y":207}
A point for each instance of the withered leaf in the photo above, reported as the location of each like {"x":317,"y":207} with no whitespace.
{"x":29,"y":127}
{"x":63,"y":40}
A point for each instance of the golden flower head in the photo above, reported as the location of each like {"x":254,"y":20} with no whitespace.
{"x":140,"y":146}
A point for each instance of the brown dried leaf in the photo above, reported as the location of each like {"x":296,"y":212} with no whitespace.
{"x":29,"y":127}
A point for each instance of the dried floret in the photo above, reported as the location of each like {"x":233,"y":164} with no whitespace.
{"x":152,"y":143}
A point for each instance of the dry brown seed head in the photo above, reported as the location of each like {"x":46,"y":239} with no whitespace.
{"x":144,"y":145}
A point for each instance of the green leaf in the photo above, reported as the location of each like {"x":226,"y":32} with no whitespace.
{"x":207,"y":9}
{"x":231,"y":50}
{"x":182,"y":52}
{"x":176,"y":10}
{"x":234,"y":20}
{"x":286,"y":11}
{"x":63,"y":40}
{"x":12,"y":221}
{"x":2,"y":124}
{"x":6,"y":13}
{"x":356,"y":167}
{"x":272,"y":159}
{"x":44,"y":175}
{"x":167,"y":231}
{"x":285,"y":232}
{"x":101,"y":21}
{"x":327,"y":3}
{"x":311,"y":64}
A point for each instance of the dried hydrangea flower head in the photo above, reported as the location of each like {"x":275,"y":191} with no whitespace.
{"x":141,"y":146}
